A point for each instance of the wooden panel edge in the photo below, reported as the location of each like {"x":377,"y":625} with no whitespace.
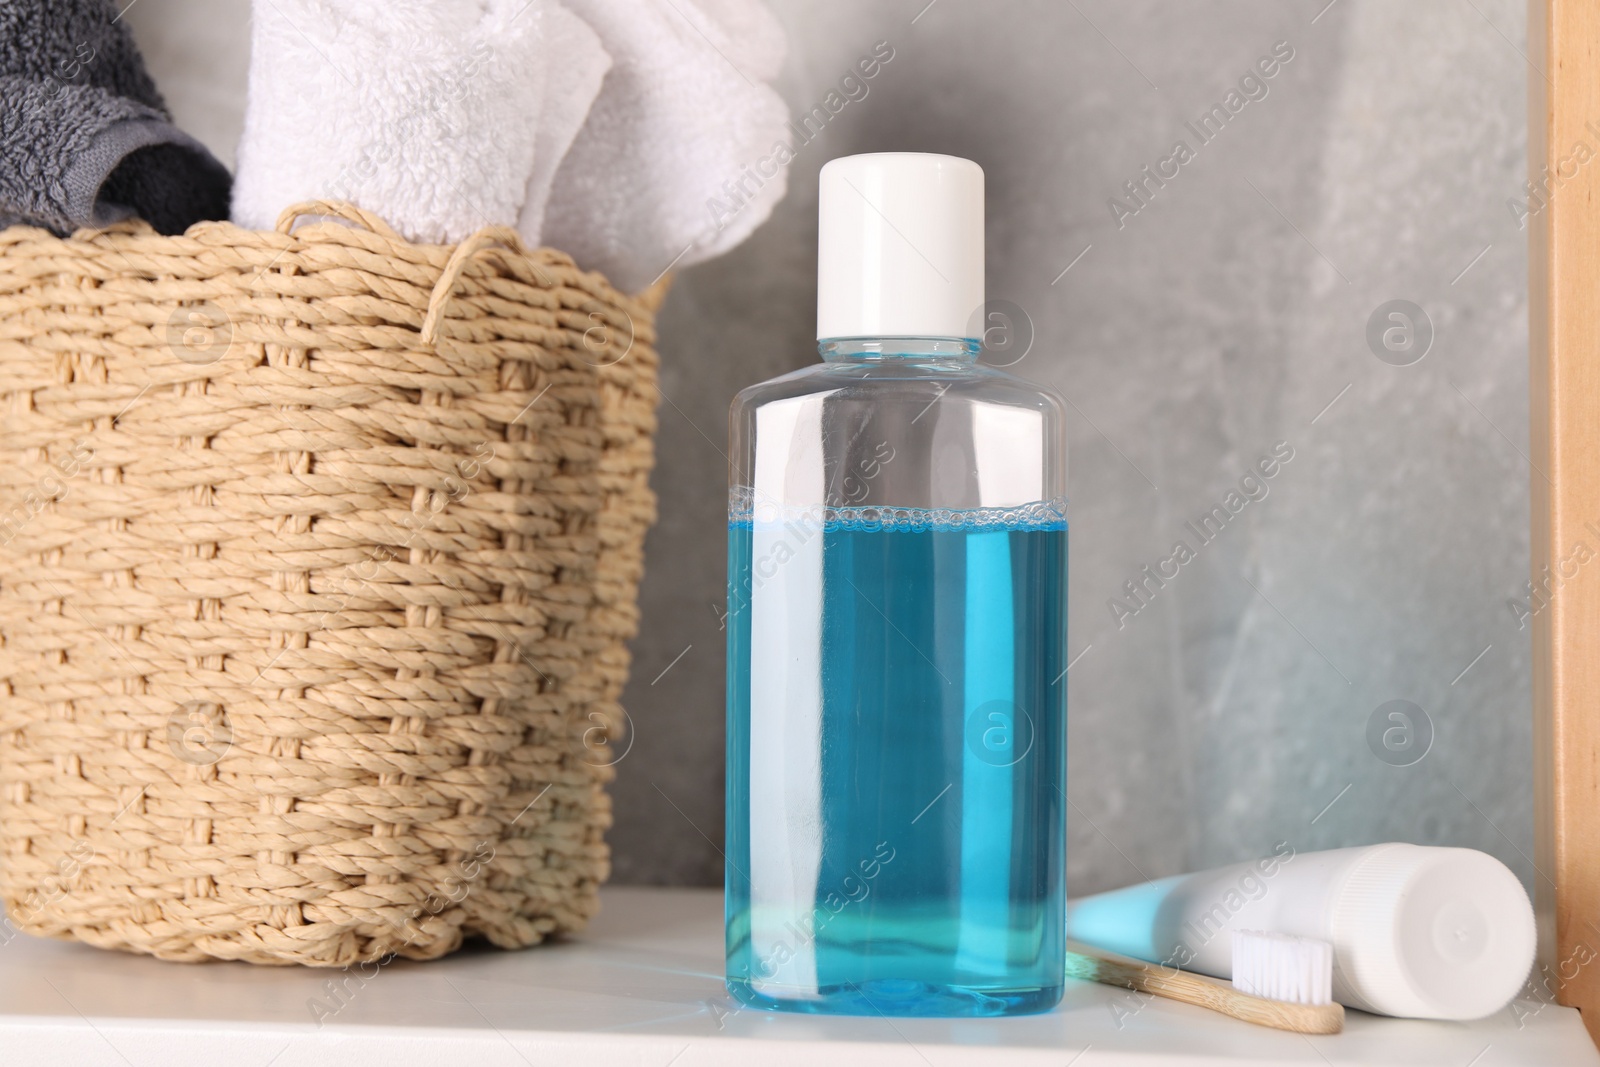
{"x":1564,"y":426}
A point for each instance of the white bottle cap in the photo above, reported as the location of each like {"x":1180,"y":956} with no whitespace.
{"x":1431,"y":933}
{"x":900,"y":246}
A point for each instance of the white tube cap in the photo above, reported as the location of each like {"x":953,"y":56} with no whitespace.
{"x":900,"y":246}
{"x":1431,"y":933}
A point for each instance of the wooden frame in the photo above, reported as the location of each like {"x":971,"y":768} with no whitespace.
{"x":1564,"y":394}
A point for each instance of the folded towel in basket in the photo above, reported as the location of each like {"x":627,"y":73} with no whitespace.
{"x":74,"y":155}
{"x":664,"y":170}
{"x":421,"y":111}
{"x":629,"y":133}
{"x":85,"y":138}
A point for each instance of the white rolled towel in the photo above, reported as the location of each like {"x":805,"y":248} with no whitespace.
{"x":425,"y":112}
{"x":667,"y":170}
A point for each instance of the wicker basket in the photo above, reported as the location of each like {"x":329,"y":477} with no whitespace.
{"x":319,"y":551}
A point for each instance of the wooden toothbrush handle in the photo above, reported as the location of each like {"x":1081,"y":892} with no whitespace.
{"x":1084,"y":961}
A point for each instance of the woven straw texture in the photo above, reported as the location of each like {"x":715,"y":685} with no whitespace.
{"x":319,"y":551}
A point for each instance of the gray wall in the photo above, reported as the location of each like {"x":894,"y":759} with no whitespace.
{"x":1226,"y":315}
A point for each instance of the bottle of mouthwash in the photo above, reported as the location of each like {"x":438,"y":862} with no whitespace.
{"x":897,"y":605}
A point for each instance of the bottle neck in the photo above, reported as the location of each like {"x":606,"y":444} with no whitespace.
{"x":888,"y":349}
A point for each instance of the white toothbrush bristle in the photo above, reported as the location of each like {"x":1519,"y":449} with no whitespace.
{"x":1294,"y":969}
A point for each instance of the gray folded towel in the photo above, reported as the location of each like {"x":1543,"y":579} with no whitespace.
{"x":80,"y":42}
{"x":85,"y":138}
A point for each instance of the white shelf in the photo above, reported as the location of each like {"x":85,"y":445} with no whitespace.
{"x":643,"y":988}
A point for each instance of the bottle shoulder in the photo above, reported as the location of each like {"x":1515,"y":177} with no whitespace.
{"x":933,"y":381}
{"x":900,"y":433}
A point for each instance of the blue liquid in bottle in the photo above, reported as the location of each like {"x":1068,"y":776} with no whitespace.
{"x":895,"y":834}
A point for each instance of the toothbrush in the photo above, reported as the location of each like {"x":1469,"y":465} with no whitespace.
{"x":1296,"y":971}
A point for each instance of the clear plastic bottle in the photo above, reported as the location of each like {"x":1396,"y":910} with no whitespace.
{"x":897,"y":567}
